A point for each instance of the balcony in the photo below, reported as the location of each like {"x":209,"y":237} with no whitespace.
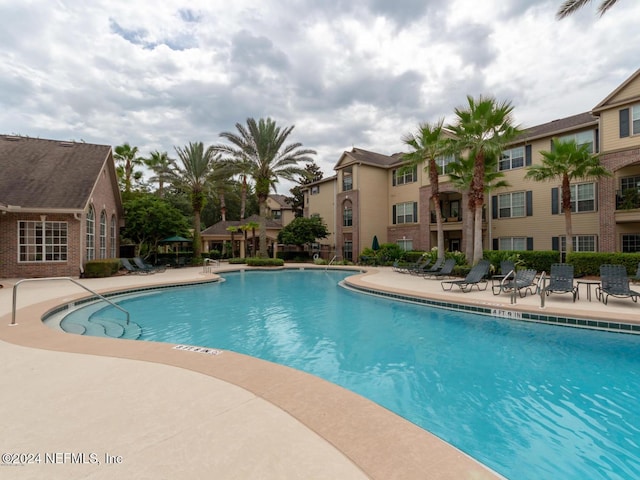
{"x":627,"y":199}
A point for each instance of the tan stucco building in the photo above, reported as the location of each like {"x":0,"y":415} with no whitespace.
{"x":369,"y":196}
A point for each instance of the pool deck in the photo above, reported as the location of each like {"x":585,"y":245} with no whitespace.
{"x":147,"y":410}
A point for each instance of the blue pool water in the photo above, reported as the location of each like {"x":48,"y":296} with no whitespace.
{"x":531,"y":401}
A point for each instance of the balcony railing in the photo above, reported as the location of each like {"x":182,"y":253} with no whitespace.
{"x":627,"y":199}
{"x":445,"y":218}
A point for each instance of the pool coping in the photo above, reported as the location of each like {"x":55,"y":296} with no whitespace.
{"x":379,"y":442}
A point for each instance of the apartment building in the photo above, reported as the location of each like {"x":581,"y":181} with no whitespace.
{"x":372,"y":195}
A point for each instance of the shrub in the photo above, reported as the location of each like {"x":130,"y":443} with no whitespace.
{"x":588,"y":263}
{"x":101,"y":268}
{"x":237,"y":261}
{"x":264,"y":262}
{"x":320,"y":261}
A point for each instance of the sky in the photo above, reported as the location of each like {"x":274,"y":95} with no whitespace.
{"x":346,"y":73}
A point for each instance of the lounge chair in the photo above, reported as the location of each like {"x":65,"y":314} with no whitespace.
{"x":419,"y":266}
{"x":446,"y":270}
{"x":474,"y":278}
{"x":520,"y":280}
{"x":130,"y":268}
{"x":142,"y":265}
{"x":614,"y":282}
{"x":426,"y":270}
{"x":561,"y":280}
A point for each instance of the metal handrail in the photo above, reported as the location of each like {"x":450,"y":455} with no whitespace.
{"x":15,"y":293}
{"x":542,"y":281}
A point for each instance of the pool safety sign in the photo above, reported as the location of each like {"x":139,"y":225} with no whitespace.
{"x":506,"y":314}
{"x":190,"y":348}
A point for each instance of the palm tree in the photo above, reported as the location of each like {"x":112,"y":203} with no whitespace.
{"x":428,"y":144}
{"x":461,"y":176}
{"x":252,"y":226}
{"x":259,"y":148}
{"x":569,"y":7}
{"x":567,"y":161}
{"x":161,"y":165}
{"x":233,"y":230}
{"x":482,"y":131}
{"x":193,"y":176}
{"x":127,"y":157}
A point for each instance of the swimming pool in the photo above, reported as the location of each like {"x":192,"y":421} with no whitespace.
{"x":528,"y":400}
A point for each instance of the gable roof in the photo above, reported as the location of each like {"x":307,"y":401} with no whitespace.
{"x":280,"y":200}
{"x":557,"y":127}
{"x":358,"y":155}
{"x":49,"y":174}
{"x":612,"y":99}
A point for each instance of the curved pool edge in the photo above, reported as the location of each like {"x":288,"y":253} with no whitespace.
{"x":380,"y":443}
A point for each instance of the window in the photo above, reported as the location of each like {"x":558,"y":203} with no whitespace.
{"x":347,"y":250}
{"x":42,"y":241}
{"x":511,"y":205}
{"x":583,"y":197}
{"x":582,"y":138}
{"x":635,"y":119}
{"x":513,"y":158}
{"x":581,"y":243}
{"x":405,"y":212}
{"x":631,"y":243}
{"x":347,"y":179}
{"x":276,"y":214}
{"x":443,"y":163}
{"x":630,"y":183}
{"x":405,"y":244}
{"x":408,"y":175}
{"x":512,"y":243}
{"x":315,"y":190}
{"x":347,"y":216}
{"x":103,"y":235}
{"x":91,"y":234}
{"x":113,"y":237}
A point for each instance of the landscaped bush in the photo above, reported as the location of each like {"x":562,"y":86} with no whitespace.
{"x":264,"y":262}
{"x":101,"y":268}
{"x":541,"y":260}
{"x":588,"y":263}
{"x":237,"y":261}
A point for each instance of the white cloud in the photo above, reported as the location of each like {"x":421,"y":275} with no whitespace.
{"x":346,"y":73}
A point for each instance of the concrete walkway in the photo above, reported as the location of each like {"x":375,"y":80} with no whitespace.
{"x":85,"y":407}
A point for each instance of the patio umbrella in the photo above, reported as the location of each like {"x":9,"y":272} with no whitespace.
{"x":376,"y":245}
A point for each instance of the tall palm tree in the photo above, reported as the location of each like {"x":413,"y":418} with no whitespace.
{"x":260,"y":148}
{"x":567,"y":161}
{"x":127,"y":158}
{"x":193,"y":176}
{"x":482,"y":130}
{"x":161,"y":165}
{"x":461,"y":176}
{"x":569,"y":7}
{"x":428,"y":143}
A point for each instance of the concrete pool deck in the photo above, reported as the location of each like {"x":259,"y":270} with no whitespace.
{"x":103,"y":408}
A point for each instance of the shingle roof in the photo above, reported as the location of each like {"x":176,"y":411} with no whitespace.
{"x":359,"y":155}
{"x":220,"y":228}
{"x":559,"y":126}
{"x":281,"y":200}
{"x":48,"y":174}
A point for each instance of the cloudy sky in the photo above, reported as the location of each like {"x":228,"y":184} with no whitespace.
{"x":345,"y":72}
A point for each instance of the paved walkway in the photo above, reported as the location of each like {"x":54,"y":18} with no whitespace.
{"x":95,"y":408}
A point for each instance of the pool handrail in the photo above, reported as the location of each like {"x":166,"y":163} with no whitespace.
{"x":15,"y":293}
{"x":541,"y":286}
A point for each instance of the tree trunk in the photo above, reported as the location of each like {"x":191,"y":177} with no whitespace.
{"x":223,"y":207}
{"x":197,"y":244}
{"x":477,"y":235}
{"x":262,"y":201}
{"x":435,"y":198}
{"x":566,"y":208}
{"x":468,"y":219}
{"x":243,"y":197}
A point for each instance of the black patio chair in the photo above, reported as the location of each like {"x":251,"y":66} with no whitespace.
{"x":426,"y":270}
{"x":636,"y":277}
{"x":142,"y":265}
{"x":130,"y":268}
{"x":561,"y":280}
{"x":475,"y":278}
{"x":418,"y":266}
{"x":446,"y":270}
{"x":522,"y":280}
{"x":615,"y":283}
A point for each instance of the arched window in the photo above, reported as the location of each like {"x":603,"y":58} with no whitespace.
{"x":91,"y":233}
{"x":103,"y":234}
{"x":113,"y":237}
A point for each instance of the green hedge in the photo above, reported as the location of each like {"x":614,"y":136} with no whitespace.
{"x":265,"y":262}
{"x":541,"y":260}
{"x":237,"y":261}
{"x":101,"y":268}
{"x":588,"y":263}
